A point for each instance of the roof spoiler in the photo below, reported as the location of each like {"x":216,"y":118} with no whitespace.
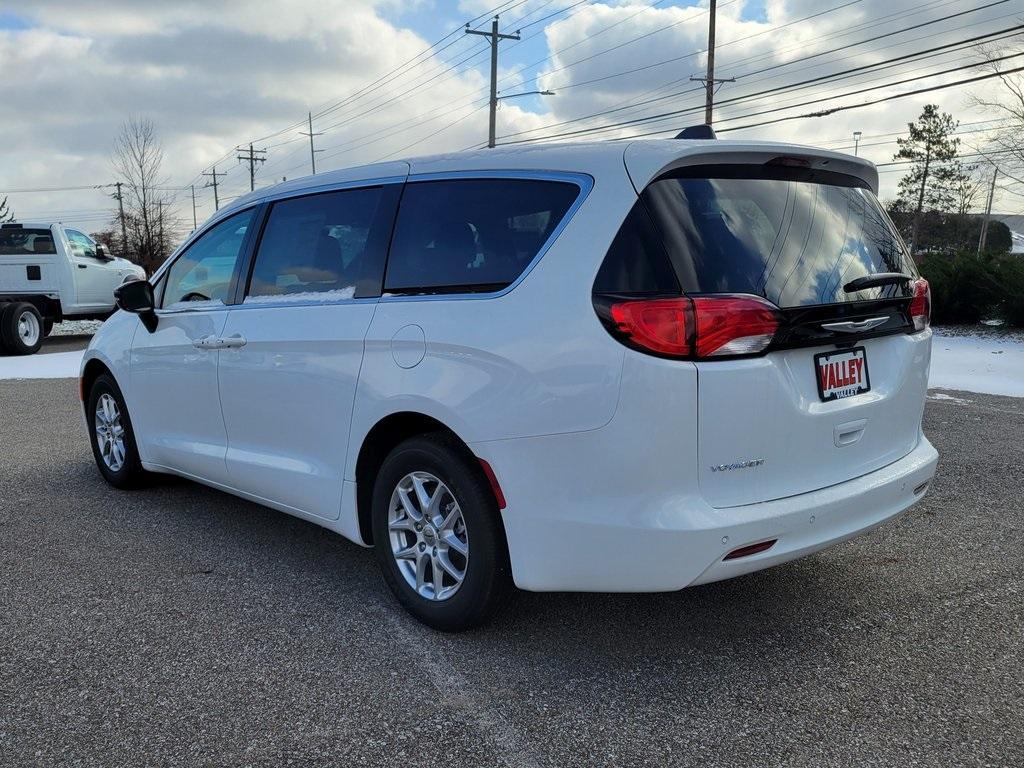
{"x":697,"y":132}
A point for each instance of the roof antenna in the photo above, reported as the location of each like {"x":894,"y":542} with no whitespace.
{"x":697,"y":132}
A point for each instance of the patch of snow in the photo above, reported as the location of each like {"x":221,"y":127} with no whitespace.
{"x":983,"y":364}
{"x":305,"y":297}
{"x":942,"y":396}
{"x":42,"y":365}
{"x":198,"y":304}
{"x":76,"y":327}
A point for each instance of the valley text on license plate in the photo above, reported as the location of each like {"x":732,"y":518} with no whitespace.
{"x":842,"y":374}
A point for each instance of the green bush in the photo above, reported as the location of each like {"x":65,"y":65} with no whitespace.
{"x":965,"y":288}
{"x":1011,"y":283}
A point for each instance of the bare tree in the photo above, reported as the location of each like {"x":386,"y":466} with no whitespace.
{"x":138,"y":159}
{"x":1007,"y":102}
{"x":5,"y":212}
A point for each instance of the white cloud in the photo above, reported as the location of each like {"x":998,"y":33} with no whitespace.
{"x":213,"y":74}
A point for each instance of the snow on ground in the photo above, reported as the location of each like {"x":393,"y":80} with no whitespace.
{"x":54,"y":365}
{"x":77,"y":327}
{"x":983,"y":363}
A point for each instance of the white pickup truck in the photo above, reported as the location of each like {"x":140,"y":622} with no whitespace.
{"x":50,"y":273}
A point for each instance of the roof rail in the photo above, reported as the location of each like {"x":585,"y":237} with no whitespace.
{"x":697,"y":132}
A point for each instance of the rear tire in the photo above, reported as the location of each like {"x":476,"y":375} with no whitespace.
{"x":111,"y":435}
{"x":450,"y":568}
{"x":21,"y":328}
{"x":47,"y":328}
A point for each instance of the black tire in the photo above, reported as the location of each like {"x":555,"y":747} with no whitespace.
{"x":130,"y":474}
{"x":47,"y":328}
{"x":14,"y":342}
{"x":487,"y":583}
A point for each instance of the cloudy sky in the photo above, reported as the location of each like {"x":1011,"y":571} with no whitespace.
{"x":390,"y":78}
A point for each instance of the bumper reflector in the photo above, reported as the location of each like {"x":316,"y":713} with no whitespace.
{"x":750,"y":549}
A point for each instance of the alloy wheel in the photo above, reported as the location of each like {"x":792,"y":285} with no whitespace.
{"x":428,"y":536}
{"x":110,"y":432}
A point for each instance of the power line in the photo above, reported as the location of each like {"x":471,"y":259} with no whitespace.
{"x":676,"y":113}
{"x":748,"y":74}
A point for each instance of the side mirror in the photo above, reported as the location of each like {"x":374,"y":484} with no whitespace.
{"x":102,"y":252}
{"x":137,"y":297}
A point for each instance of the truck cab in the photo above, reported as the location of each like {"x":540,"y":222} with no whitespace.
{"x":49,"y":273}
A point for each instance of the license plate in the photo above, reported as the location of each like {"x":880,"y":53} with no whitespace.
{"x":842,"y":374}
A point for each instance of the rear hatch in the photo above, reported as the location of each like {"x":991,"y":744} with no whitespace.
{"x":802,"y":321}
{"x":28,"y":260}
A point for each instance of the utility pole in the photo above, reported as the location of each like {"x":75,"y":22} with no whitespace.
{"x":120,"y":215}
{"x":160,"y":229}
{"x":312,"y":152}
{"x":988,"y":212}
{"x":213,"y":173}
{"x":495,"y":37}
{"x":195,"y":224}
{"x":254,"y":156}
{"x":709,"y":79}
{"x":856,"y":142}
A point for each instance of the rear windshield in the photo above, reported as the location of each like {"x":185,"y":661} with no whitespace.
{"x":793,"y":236}
{"x":25,"y":242}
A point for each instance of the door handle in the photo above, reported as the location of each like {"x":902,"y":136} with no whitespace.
{"x":232,"y":342}
{"x":83,"y":266}
{"x":207,"y":342}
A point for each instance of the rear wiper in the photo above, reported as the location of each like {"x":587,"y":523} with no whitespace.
{"x":873,"y":281}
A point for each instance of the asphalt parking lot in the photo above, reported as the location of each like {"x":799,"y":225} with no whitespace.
{"x":180,"y":626}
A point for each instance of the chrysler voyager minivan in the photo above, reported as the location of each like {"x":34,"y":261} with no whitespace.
{"x":604,"y":367}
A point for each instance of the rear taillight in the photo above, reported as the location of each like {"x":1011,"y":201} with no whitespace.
{"x":699,"y":327}
{"x":734,"y":325}
{"x":659,"y":325}
{"x":921,"y":304}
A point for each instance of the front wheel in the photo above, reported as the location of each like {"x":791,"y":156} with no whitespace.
{"x":438,"y":534}
{"x":111,"y":435}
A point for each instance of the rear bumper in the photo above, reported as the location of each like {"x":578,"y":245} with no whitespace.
{"x":650,"y":541}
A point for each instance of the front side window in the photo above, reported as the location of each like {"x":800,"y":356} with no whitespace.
{"x":15,"y":241}
{"x":472,"y":235}
{"x":318,"y":246}
{"x":203,"y":272}
{"x":81,"y":244}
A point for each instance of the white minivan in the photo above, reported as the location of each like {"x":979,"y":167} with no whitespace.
{"x":602,"y":367}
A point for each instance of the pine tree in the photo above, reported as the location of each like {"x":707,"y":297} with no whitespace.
{"x":935,"y":174}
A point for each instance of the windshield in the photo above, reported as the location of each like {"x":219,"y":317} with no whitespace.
{"x":793,"y":236}
{"x":24,"y":242}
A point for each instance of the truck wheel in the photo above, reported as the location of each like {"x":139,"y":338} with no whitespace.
{"x":21,"y":329}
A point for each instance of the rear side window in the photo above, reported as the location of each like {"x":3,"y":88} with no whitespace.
{"x":793,"y":236}
{"x":25,"y":242}
{"x":472,"y":235}
{"x":637,"y":262}
{"x":320,"y":246}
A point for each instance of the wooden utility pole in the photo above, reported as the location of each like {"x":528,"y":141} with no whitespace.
{"x":709,"y":78}
{"x":495,"y":38}
{"x":312,"y":151}
{"x":160,"y":229}
{"x":252,"y":157}
{"x":120,"y":215}
{"x":213,"y":173}
{"x":988,"y":212}
{"x":194,"y":222}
